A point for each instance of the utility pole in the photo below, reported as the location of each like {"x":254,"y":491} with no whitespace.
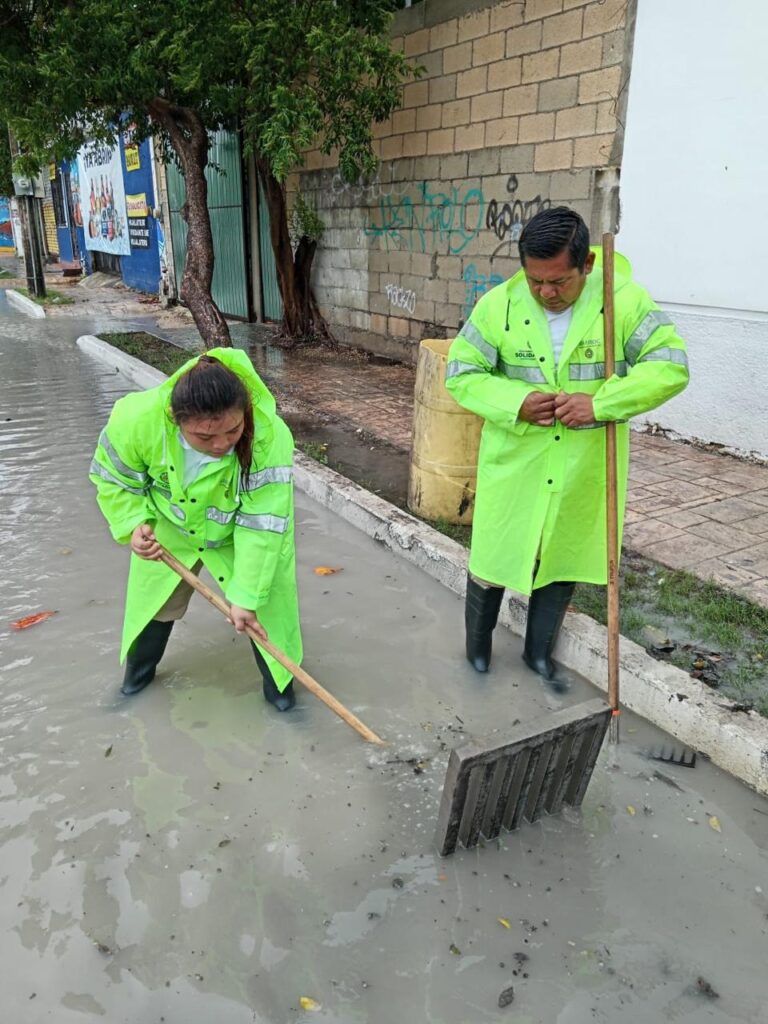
{"x":33,"y":261}
{"x":33,"y":255}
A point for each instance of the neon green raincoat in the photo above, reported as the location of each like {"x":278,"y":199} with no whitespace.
{"x":242,"y":530}
{"x":541,"y":490}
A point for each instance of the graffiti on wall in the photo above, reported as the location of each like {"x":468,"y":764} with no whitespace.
{"x":447,"y":220}
{"x":402,"y":298}
{"x":477,"y":284}
{"x":507,"y":220}
{"x":431,"y":221}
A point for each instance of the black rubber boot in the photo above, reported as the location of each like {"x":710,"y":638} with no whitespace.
{"x":546,"y":611}
{"x":481,"y":613}
{"x":143,"y":657}
{"x":282,"y":701}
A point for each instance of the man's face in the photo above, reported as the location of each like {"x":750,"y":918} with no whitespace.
{"x":554,"y":283}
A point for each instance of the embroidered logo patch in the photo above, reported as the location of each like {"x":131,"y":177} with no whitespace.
{"x":524,"y":355}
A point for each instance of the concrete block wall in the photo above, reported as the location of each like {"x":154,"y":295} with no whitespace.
{"x":518,"y":108}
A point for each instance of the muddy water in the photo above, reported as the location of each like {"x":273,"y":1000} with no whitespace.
{"x":190,"y":856}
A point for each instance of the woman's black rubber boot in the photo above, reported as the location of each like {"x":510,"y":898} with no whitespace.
{"x":481,"y":613}
{"x":546,"y":611}
{"x":284,"y":700}
{"x":143,"y":656}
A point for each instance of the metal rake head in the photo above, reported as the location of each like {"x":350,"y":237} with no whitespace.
{"x":685,"y":758}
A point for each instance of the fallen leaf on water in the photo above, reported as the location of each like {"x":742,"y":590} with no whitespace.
{"x":65,"y":551}
{"x":715,"y":823}
{"x":108,"y":751}
{"x":225,"y":842}
{"x":31,"y":620}
{"x":631,"y":810}
{"x":455,"y":950}
{"x":442,"y":878}
{"x":504,"y":921}
{"x":307,"y":1003}
{"x":325,"y":570}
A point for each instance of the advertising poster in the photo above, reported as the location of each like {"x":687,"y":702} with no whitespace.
{"x":6,"y":227}
{"x":138,"y":224}
{"x":74,"y":187}
{"x":103,"y":199}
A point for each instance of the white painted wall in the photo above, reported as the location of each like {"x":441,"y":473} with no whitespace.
{"x":694,"y":217}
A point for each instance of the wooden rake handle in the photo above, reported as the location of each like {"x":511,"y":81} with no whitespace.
{"x":296,"y":670}
{"x":612,"y":512}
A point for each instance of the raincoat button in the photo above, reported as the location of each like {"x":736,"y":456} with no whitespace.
{"x":557,"y":437}
{"x":221,"y":579}
{"x":526,"y":322}
{"x":541,"y":359}
{"x":192,"y":532}
{"x":193,"y":500}
{"x":182,"y":500}
{"x":201,"y":549}
{"x":549,"y":481}
{"x":172,"y":469}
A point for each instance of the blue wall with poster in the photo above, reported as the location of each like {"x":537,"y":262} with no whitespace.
{"x":141,"y":269}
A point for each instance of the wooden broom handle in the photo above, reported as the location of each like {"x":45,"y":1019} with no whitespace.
{"x":296,"y":670}
{"x":612,"y":512}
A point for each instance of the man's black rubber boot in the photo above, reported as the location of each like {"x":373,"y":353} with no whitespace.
{"x":546,"y":611}
{"x":282,"y":701}
{"x":143,"y":657}
{"x":481,"y":613}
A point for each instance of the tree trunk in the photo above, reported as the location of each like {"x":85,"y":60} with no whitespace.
{"x":302,"y":319}
{"x":190,"y":142}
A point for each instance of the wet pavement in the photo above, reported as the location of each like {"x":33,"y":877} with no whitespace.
{"x":190,"y":856}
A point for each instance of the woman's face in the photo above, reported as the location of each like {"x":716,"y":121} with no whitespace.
{"x":214,"y":435}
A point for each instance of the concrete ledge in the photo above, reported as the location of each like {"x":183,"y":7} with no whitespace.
{"x":132,"y":369}
{"x":664,"y":695}
{"x":24,"y":304}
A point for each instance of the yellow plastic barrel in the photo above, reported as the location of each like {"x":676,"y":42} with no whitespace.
{"x":443,"y":472}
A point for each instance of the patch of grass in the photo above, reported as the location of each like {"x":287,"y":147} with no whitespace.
{"x":5,"y":274}
{"x":455,"y":531}
{"x":315,"y":450}
{"x":52,"y":297}
{"x":714,"y":634}
{"x":152,"y":350}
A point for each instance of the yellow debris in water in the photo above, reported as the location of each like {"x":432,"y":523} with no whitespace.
{"x":307,"y":1003}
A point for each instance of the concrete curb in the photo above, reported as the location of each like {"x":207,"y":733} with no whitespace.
{"x":24,"y":304}
{"x":660,"y":693}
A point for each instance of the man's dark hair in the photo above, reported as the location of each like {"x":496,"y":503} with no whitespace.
{"x":550,"y":232}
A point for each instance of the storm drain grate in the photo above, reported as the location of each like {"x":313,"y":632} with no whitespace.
{"x":540,"y":767}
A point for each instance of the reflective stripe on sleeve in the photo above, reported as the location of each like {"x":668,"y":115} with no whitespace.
{"x":665,"y":355}
{"x":595,"y":426}
{"x":456,"y":368}
{"x":273,"y":524}
{"x":653,"y":318}
{"x":531,"y":374}
{"x":98,"y":470}
{"x":594,"y":371}
{"x":471,"y":334}
{"x":270,"y":475}
{"x":117,"y":462}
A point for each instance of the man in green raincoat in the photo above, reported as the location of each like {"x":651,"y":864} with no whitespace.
{"x":202,"y":465}
{"x":530,"y":361}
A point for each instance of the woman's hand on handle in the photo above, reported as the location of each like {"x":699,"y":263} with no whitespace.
{"x":144,"y":543}
{"x":243,"y":617}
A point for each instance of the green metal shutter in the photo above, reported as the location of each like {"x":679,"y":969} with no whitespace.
{"x":225,"y":206}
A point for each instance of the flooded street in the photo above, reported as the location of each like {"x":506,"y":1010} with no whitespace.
{"x":190,"y":856}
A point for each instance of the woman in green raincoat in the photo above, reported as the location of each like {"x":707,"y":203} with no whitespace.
{"x":202,"y":466}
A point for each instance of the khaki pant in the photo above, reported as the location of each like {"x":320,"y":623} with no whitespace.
{"x":176,"y":605}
